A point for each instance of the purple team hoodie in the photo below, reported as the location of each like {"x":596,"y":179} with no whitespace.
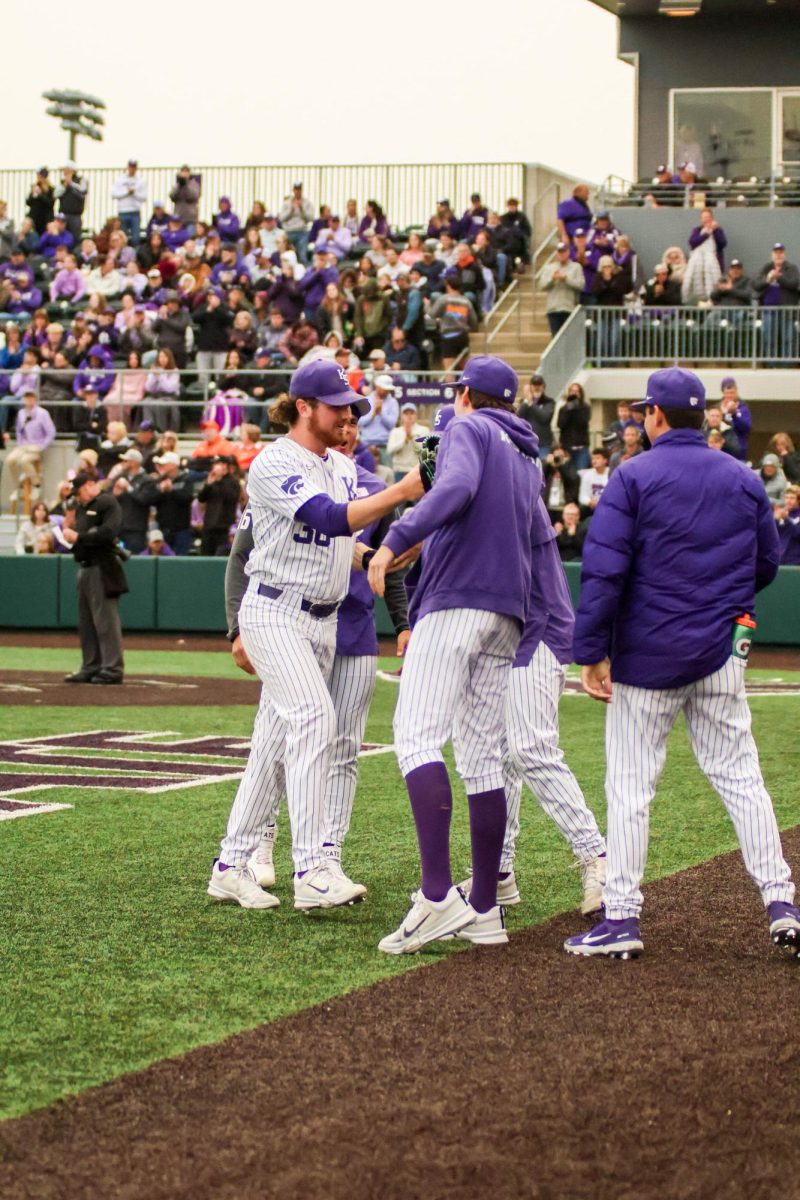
{"x":551,"y":617}
{"x":226,"y":222}
{"x":476,"y":520}
{"x":355,"y":630}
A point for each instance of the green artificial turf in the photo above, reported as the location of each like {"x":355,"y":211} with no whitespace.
{"x":112,"y":956}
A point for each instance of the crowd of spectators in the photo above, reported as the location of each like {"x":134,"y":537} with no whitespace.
{"x":160,"y":290}
{"x":576,"y":472}
{"x":595,"y":264}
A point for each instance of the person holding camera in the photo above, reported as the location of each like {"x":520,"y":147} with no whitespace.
{"x":185,"y":195}
{"x":573,"y":426}
{"x":91,"y":524}
{"x":71,"y":197}
{"x":220,"y":494}
{"x":561,"y":483}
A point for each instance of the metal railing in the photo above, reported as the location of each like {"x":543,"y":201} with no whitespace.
{"x":565,"y":355}
{"x":758,"y":336}
{"x":499,"y":312}
{"x":774,"y":191}
{"x":408,"y":192}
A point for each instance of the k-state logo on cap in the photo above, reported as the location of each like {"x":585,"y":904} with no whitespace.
{"x":693,"y":401}
{"x":342,"y":375}
{"x":292,"y":485}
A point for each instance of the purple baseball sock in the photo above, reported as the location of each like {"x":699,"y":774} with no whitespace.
{"x":432,"y":806}
{"x":487,"y":828}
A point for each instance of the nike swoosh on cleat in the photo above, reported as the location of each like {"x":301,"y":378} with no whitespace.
{"x":407,"y":933}
{"x":322,"y":891}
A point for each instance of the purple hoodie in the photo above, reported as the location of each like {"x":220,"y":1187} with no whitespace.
{"x":226,"y":223}
{"x":477,"y":518}
{"x":313,"y":285}
{"x":551,"y":617}
{"x":355,"y":630}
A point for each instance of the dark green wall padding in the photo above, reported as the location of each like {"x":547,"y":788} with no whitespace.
{"x":186,"y":595}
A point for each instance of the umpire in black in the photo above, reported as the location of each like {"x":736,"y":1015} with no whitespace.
{"x":92,"y":533}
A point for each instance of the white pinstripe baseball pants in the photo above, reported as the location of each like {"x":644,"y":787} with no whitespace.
{"x":638,"y":724}
{"x":352,"y":687}
{"x":532,"y":755}
{"x":454,"y":685}
{"x":293,"y":655}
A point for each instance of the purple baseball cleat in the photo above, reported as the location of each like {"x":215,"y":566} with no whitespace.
{"x":614,"y":939}
{"x":784,"y":926}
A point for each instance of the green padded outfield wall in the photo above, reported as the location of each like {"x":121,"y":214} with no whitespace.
{"x":187,"y":595}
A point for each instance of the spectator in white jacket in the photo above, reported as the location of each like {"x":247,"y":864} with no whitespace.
{"x":335,"y":239}
{"x":296,"y":215}
{"x":130,"y":193}
{"x":563,"y":280}
{"x":402,"y":446}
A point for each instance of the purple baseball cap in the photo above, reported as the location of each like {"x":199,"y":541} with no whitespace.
{"x":728,"y":382}
{"x":444,"y":416}
{"x":673,"y":387}
{"x":326,"y":382}
{"x":486,"y":373}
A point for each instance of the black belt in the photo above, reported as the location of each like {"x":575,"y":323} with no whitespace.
{"x":318,"y":611}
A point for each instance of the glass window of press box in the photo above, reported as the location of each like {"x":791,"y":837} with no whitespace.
{"x":737,"y":133}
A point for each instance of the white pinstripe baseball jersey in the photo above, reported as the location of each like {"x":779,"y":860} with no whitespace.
{"x":287,"y":553}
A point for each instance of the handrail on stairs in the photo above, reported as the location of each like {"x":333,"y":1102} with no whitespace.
{"x":499,"y":304}
{"x":491,"y":336}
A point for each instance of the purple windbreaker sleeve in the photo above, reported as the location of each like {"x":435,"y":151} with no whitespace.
{"x":458,"y":474}
{"x":325,"y":515}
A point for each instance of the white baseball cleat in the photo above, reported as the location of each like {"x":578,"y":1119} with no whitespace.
{"x":507,"y":890}
{"x":593,"y":876}
{"x":238,"y":884}
{"x":428,"y":920}
{"x":487,"y":929}
{"x":261,"y":864}
{"x":326,"y":886}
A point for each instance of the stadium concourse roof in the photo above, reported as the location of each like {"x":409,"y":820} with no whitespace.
{"x":721,"y":9}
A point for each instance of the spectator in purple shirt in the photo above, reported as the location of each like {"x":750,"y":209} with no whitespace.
{"x":226,"y":221}
{"x":159,"y":220}
{"x":175,"y":235}
{"x":574,"y":213}
{"x":473,"y":220}
{"x":18,"y":296}
{"x":34,"y":432}
{"x":156,"y":546}
{"x":335,"y":239}
{"x":314,"y":282}
{"x":373,"y":223}
{"x":56,"y":234}
{"x":16,"y":266}
{"x":443,"y":220}
{"x":321,"y":222}
{"x":68,"y":284}
{"x":94,"y":374}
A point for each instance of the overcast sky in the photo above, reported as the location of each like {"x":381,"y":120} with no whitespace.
{"x":518,"y":80}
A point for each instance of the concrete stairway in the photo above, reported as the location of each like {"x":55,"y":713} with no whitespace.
{"x":523,"y":337}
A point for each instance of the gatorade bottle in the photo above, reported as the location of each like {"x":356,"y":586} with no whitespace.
{"x":743,"y":629}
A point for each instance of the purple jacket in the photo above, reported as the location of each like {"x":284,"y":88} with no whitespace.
{"x":551,"y":617}
{"x":741,"y":422}
{"x":29,"y":300}
{"x":227,"y":225}
{"x":789,"y":538}
{"x":434,"y":230}
{"x":157,"y":225}
{"x":166,"y":552}
{"x":49,"y":241}
{"x":174,"y":238}
{"x":9,"y":271}
{"x":355,"y":630}
{"x":575,"y":215}
{"x":477,"y":518}
{"x":471,"y":223}
{"x":699,"y":235}
{"x":368,"y":228}
{"x":313,"y":285}
{"x":34,"y":428}
{"x":679,"y":544}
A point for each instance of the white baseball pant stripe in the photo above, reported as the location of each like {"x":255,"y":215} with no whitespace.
{"x":293,"y":656}
{"x":638,"y":723}
{"x":454,"y":685}
{"x":352,"y":687}
{"x":532,"y":755}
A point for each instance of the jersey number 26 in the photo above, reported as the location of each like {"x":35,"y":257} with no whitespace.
{"x":307,"y":535}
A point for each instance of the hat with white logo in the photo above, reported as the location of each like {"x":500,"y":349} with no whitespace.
{"x":488,"y":374}
{"x":327,"y":382}
{"x":673,"y":387}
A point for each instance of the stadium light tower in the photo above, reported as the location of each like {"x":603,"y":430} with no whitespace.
{"x":78,"y":113}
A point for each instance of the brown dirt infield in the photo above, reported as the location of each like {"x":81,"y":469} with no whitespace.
{"x":48,"y":687}
{"x":509,"y":1072}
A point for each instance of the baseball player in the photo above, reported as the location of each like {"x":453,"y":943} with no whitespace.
{"x":472,"y":600}
{"x":680,"y":543}
{"x":531,"y":753}
{"x":352,"y":680}
{"x":304,"y":504}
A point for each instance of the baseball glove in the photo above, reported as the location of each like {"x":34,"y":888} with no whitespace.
{"x":429,"y":449}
